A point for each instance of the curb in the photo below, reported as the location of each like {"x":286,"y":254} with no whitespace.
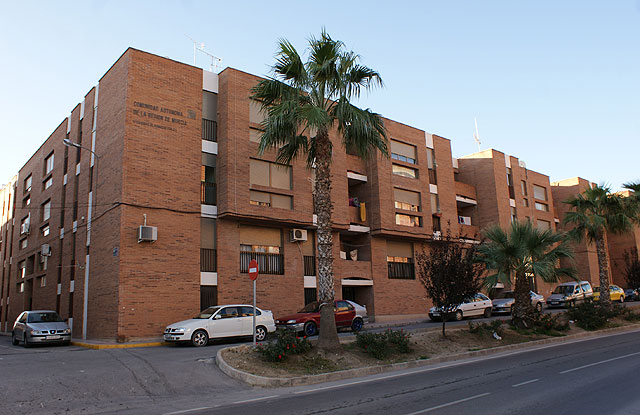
{"x":270,"y":382}
{"x":117,"y":346}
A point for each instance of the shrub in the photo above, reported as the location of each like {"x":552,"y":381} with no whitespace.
{"x":285,"y":343}
{"x":486,"y":329}
{"x":629,"y":315}
{"x":381,"y":345}
{"x":593,"y":316}
{"x":548,"y":324}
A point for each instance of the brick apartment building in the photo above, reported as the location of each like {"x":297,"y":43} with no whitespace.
{"x":172,"y":147}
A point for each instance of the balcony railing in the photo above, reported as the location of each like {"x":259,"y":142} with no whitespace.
{"x":208,"y":260}
{"x":208,"y":193}
{"x":401,"y":270}
{"x":309,"y":265}
{"x":209,"y":130}
{"x":267,"y":263}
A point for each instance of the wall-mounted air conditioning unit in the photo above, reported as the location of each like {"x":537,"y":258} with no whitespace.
{"x":24,"y":228}
{"x":298,"y":235}
{"x":437,"y":235}
{"x":45,"y":250}
{"x":147,"y":233}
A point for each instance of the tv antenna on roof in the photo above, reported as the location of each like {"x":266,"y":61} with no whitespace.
{"x":476,"y":135}
{"x":199,"y":46}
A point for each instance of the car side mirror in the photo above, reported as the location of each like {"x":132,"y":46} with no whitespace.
{"x":217,"y":317}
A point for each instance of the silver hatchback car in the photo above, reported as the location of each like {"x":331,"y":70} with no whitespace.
{"x":39,"y":327}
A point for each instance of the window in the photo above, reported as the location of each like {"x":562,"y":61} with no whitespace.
{"x":48,"y":164}
{"x":22,"y":269}
{"x":26,"y":202}
{"x":542,"y":206}
{"x":539,"y":192}
{"x":256,"y":114}
{"x":27,"y":183}
{"x":512,"y":192}
{"x":270,"y":200}
{"x":408,"y":220}
{"x":400,"y":260}
{"x":265,"y":246}
{"x":208,"y":179}
{"x":404,"y":171}
{"x":436,"y":223}
{"x":407,"y":200}
{"x":254,"y":135}
{"x":46,"y":210}
{"x":544,"y":225}
{"x":523,"y":186}
{"x":45,"y":230}
{"x":24,"y":243}
{"x":525,"y":202}
{"x":431,"y":165}
{"x":403,"y":152}
{"x":264,"y":173}
{"x":514,"y":214}
{"x":47,"y":184}
{"x":435,"y":203}
{"x":43,"y":281}
{"x":21,"y":287}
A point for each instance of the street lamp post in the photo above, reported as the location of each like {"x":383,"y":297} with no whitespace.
{"x":85,"y":303}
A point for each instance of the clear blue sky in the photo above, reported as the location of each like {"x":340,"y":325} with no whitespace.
{"x":556,"y":84}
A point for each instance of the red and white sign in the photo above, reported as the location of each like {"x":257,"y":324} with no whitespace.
{"x":253,"y":270}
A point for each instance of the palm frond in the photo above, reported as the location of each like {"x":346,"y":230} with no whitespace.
{"x":362,"y":130}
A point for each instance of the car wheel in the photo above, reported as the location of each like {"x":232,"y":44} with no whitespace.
{"x":25,"y":342}
{"x":539,"y":307}
{"x":14,"y":339}
{"x":621,"y":299}
{"x":459,"y":316}
{"x":487,"y":312}
{"x":310,"y":328}
{"x":357,"y":324}
{"x":199,"y":338}
{"x":261,"y":333}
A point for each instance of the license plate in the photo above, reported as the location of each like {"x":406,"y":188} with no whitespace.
{"x":56,"y":337}
{"x":554,"y":302}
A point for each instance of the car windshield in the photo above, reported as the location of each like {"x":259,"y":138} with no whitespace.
{"x":312,"y":307}
{"x":563,"y":289}
{"x":506,"y":294}
{"x":207,"y":313}
{"x":49,"y":317}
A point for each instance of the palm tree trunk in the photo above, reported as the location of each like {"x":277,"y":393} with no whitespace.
{"x":328,"y":338}
{"x":603,"y":270}
{"x":522,"y":312}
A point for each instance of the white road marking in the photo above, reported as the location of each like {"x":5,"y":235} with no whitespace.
{"x":424,"y":411}
{"x":524,"y":383}
{"x":256,"y":399}
{"x":599,"y":363}
{"x":188,"y":410}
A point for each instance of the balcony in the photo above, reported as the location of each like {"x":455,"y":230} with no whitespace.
{"x":401,"y":270}
{"x":208,"y":260}
{"x":358,"y":214}
{"x":208,"y":193}
{"x":272,"y":264}
{"x":465,"y":193}
{"x":309,"y":265}
{"x":209,"y":130}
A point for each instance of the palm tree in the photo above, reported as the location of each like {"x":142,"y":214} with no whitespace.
{"x":303,"y":101}
{"x":524,"y":252}
{"x":597,"y":211}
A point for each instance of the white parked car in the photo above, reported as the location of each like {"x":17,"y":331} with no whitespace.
{"x":221,"y":321}
{"x":478,"y":305}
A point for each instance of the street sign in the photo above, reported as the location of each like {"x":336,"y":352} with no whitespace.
{"x":253,"y":270}
{"x":253,"y":274}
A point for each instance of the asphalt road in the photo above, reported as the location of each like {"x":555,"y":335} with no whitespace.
{"x":582,"y":377}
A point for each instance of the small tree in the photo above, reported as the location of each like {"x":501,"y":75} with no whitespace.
{"x":632,"y":268}
{"x":449,"y":273}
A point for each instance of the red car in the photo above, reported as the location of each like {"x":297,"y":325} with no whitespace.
{"x":307,"y":320}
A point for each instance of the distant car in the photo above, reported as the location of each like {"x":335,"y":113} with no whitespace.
{"x":40,"y":327}
{"x":232,"y":320}
{"x":631,"y":294}
{"x":615,"y":293}
{"x":478,"y":305}
{"x":568,"y":294}
{"x":347,"y":314}
{"x":504,"y":302}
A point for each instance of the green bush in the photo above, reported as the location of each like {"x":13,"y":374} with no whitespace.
{"x":285,"y":343}
{"x":592,"y":315}
{"x":381,"y":345}
{"x":486,"y":329}
{"x":549,"y":323}
{"x":629,"y":315}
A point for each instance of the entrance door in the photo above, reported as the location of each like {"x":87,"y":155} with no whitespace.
{"x":349,"y":293}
